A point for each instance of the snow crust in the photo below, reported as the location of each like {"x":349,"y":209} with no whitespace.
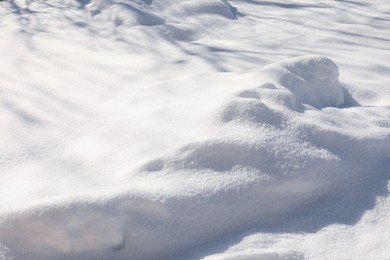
{"x":194,"y":129}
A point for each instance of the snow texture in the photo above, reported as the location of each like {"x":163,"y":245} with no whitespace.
{"x":171,"y":129}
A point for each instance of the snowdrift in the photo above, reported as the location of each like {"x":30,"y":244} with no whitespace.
{"x":172,"y":129}
{"x":289,"y":146}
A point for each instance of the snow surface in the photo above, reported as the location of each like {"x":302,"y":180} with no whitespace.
{"x":194,"y":129}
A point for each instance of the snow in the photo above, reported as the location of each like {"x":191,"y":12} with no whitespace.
{"x":194,"y":129}
{"x":313,"y":81}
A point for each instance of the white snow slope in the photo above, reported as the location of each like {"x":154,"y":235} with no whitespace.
{"x":190,"y":129}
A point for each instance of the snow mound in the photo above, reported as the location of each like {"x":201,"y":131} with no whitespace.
{"x":270,"y":92}
{"x":313,"y":79}
{"x":249,"y":109}
{"x":239,"y":155}
{"x":121,"y":139}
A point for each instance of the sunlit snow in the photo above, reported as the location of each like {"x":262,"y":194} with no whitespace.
{"x":194,"y":129}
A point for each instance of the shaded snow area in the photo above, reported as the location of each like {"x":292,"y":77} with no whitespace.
{"x":194,"y":129}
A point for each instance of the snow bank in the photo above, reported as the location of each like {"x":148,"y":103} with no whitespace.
{"x":264,"y":161}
